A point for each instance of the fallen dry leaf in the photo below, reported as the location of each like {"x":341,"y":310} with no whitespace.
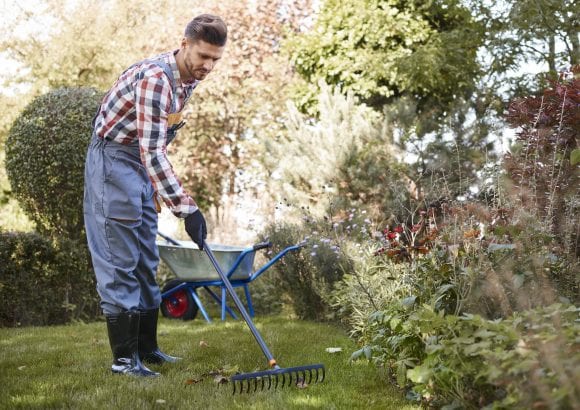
{"x":203,"y":343}
{"x":333,"y":349}
{"x":160,"y":401}
{"x":219,"y":379}
{"x":192,"y":381}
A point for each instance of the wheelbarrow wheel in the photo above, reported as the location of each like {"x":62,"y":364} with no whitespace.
{"x":178,"y":305}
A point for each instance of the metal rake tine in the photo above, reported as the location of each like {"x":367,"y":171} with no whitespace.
{"x":323,"y":375}
{"x":262,"y":383}
{"x":248,"y":384}
{"x":309,"y":376}
{"x":276,"y":379}
{"x":269,"y":382}
{"x":234,"y":383}
{"x":255,"y":384}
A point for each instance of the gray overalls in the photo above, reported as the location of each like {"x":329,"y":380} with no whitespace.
{"x":121,"y":221}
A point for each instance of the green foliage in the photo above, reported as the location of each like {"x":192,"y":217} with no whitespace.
{"x":44,"y":283}
{"x":528,"y":31}
{"x":45,"y":154}
{"x":371,"y":285}
{"x":416,"y":62}
{"x":372,"y":175}
{"x":382,"y":49}
{"x":322,"y":158}
{"x":471,"y":362}
{"x":544,"y":367}
{"x":444,"y":304}
{"x":307,"y":277}
{"x":11,"y":215}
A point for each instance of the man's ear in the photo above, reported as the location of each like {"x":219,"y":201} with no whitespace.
{"x":184,"y":42}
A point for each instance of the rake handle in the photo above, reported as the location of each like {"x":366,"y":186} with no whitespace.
{"x":240,"y":306}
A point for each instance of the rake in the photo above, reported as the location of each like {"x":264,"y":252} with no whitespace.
{"x":275,"y":377}
{"x":289,"y":375}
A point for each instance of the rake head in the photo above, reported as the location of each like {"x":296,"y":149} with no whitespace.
{"x":300,"y":376}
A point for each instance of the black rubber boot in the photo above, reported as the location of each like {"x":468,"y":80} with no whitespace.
{"x":123,"y":331}
{"x":148,"y":349}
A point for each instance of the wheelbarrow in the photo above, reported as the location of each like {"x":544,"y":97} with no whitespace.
{"x":193,"y":271}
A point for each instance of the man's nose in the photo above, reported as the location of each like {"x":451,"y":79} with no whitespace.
{"x":208,"y":65}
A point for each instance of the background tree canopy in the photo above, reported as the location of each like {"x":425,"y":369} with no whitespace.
{"x":383,"y":50}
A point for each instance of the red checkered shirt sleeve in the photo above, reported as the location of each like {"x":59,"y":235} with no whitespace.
{"x":152,"y":104}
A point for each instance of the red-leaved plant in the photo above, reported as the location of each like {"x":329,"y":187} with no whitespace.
{"x":544,"y":165}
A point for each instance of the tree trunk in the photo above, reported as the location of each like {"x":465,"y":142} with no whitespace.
{"x":575,"y":52}
{"x":552,"y":54}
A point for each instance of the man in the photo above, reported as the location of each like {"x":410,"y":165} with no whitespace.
{"x":126,"y":171}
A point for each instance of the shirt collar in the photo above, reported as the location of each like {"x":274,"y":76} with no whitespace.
{"x":177,"y":75}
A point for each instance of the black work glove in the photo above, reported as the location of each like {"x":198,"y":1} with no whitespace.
{"x":196,"y":229}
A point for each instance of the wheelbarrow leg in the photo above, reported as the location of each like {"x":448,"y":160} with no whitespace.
{"x":199,"y":305}
{"x":219,"y":301}
{"x":249,"y":300}
{"x":224,"y":299}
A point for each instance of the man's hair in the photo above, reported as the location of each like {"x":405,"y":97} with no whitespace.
{"x":208,"y":28}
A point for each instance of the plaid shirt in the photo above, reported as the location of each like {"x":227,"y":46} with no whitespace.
{"x":137,"y":107}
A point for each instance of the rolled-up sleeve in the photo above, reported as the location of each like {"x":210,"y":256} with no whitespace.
{"x":153,"y":104}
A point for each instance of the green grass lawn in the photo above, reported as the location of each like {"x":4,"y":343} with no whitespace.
{"x":69,"y":367}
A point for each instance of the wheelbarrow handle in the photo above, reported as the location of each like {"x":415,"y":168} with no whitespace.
{"x":262,"y":245}
{"x":168,"y":239}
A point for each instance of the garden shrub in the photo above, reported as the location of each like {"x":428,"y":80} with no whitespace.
{"x":543,"y":370}
{"x":371,"y":285}
{"x":466,"y":281}
{"x":529,"y":360}
{"x":44,"y":283}
{"x":543,"y":165}
{"x":307,"y":277}
{"x":45,"y":154}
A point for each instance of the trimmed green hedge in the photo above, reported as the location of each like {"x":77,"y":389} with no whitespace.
{"x":44,"y":283}
{"x":45,"y":155}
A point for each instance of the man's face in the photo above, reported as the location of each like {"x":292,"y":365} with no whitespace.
{"x":200,"y":57}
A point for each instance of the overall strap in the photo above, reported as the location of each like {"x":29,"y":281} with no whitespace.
{"x":169,"y":73}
